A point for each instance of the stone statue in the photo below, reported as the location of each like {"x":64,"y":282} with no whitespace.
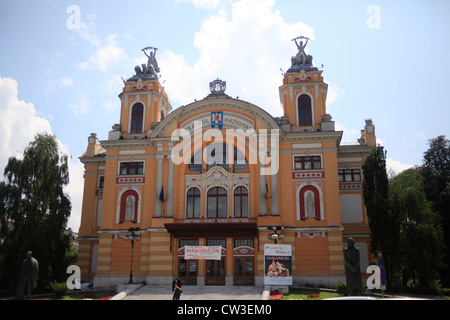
{"x":352,"y":269}
{"x":152,"y":64}
{"x":301,"y":60}
{"x":130,"y":208}
{"x":310,"y":205}
{"x":301,"y":55}
{"x":28,"y":277}
{"x":151,"y":69}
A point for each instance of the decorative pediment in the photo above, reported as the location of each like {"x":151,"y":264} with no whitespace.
{"x":217,"y":177}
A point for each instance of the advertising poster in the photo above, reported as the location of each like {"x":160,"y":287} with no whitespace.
{"x":202,"y":253}
{"x":278,"y":264}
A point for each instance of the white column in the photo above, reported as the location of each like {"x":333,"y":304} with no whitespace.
{"x":274,"y":166}
{"x":262,"y":189}
{"x":169,"y":209}
{"x":159,"y":177}
{"x":274,"y":193}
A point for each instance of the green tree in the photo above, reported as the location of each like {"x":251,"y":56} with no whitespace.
{"x":421,"y":241}
{"x":34,"y":212}
{"x":436,"y":170}
{"x":383,"y":223}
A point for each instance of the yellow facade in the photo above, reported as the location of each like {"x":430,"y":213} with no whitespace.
{"x":311,"y":186}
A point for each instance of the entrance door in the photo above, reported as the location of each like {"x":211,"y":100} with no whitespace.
{"x":215,"y":272}
{"x":187,"y":271}
{"x":244,"y":271}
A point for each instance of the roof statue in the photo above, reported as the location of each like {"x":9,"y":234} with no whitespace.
{"x":150,"y":70}
{"x":301,"y":60}
{"x":217,"y":86}
{"x":217,"y":89}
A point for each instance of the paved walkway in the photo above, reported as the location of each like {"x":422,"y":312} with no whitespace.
{"x":197,"y":293}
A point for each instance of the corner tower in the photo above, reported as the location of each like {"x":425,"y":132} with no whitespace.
{"x":144,"y":102}
{"x":303,"y":94}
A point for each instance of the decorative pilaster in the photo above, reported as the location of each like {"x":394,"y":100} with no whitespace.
{"x":262,"y":188}
{"x":169,"y":209}
{"x":159,"y":181}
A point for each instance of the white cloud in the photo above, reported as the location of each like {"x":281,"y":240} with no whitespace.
{"x":67,"y":81}
{"x":208,"y":4}
{"x":19,"y":124}
{"x":245,"y":45}
{"x":394,"y":167}
{"x":333,"y":93}
{"x":109,"y":106}
{"x":349,"y":135}
{"x":81,"y":107}
{"x":106,"y":51}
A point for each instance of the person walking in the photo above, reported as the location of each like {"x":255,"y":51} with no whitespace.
{"x":176,"y":288}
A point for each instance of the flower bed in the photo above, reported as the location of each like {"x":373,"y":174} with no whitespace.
{"x":275,"y":295}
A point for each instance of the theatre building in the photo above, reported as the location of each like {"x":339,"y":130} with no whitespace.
{"x":219,"y":172}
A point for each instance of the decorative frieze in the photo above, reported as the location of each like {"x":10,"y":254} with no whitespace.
{"x":130,"y":180}
{"x":308,"y":175}
{"x":311,"y":234}
{"x":350,"y":186}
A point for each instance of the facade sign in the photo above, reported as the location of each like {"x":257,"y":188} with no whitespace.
{"x":202,"y":252}
{"x":227,"y":119}
{"x":278,"y":264}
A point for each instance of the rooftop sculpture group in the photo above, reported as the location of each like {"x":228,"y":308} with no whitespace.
{"x":150,"y":70}
{"x":301,"y":60}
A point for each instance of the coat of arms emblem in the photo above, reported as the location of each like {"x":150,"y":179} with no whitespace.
{"x":217,"y":119}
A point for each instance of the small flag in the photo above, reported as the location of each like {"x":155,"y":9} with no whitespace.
{"x":161,"y":195}
{"x":266,"y":196}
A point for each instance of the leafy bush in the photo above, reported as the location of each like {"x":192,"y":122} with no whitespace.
{"x":341,"y":288}
{"x":59,"y":288}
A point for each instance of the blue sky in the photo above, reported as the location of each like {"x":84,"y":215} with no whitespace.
{"x":61,"y":64}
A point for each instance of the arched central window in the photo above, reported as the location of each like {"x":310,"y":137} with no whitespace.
{"x":217,"y":155}
{"x":137,"y":115}
{"x":304,"y":109}
{"x":217,"y":203}
{"x":241,"y":202}
{"x":193,"y":204}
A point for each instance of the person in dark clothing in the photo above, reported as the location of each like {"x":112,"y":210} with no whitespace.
{"x":176,"y":288}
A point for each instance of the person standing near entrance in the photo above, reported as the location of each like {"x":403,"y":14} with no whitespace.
{"x":176,"y":288}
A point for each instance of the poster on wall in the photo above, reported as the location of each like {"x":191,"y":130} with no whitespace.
{"x":278,"y":264}
{"x":202,"y":252}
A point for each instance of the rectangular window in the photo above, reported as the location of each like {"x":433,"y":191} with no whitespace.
{"x":101,"y":182}
{"x":216,"y":242}
{"x":187,"y":242}
{"x":349,"y":175}
{"x":131,"y":168}
{"x":307,"y":162}
{"x":248,"y":242}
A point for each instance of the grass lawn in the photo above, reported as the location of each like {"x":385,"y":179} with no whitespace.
{"x":309,"y":295}
{"x":81,"y":296}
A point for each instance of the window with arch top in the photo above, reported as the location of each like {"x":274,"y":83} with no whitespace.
{"x":217,"y":203}
{"x":304,"y":108}
{"x":193,"y":204}
{"x":241,"y":202}
{"x":137,"y":117}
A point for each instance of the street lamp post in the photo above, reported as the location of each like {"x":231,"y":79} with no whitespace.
{"x":132,"y":236}
{"x":275,"y":236}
